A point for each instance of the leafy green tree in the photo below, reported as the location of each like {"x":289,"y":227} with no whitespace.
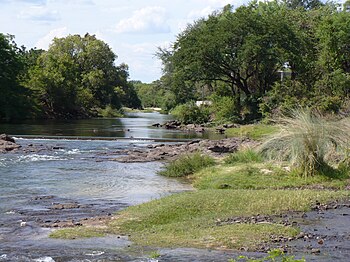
{"x":14,"y":97}
{"x":76,"y":75}
{"x":243,"y":49}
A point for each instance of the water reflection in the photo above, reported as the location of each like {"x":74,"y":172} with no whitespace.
{"x":135,"y":125}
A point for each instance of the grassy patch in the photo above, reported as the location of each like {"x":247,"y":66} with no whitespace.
{"x":244,"y":156}
{"x":260,"y":176}
{"x":78,"y":232}
{"x":256,"y":132}
{"x":187,"y":165}
{"x":188,"y":219}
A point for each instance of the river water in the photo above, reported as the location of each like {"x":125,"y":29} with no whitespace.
{"x":32,"y":184}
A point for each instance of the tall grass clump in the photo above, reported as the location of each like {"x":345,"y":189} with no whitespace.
{"x":309,"y":141}
{"x":244,"y":156}
{"x":187,"y":164}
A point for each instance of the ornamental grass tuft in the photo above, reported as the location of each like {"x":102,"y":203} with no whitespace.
{"x":309,"y":141}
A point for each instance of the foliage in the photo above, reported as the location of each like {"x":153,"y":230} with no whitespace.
{"x":14,"y":101}
{"x":190,"y":113}
{"x":187,"y":165}
{"x":108,"y":111}
{"x":241,"y":54}
{"x":76,"y":76}
{"x":307,"y":139}
{"x":224,"y":109}
{"x":244,"y":156}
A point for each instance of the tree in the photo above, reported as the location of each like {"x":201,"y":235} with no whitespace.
{"x":243,"y":49}
{"x":76,"y":75}
{"x":13,"y":98}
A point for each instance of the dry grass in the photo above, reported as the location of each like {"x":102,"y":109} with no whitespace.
{"x":309,"y":141}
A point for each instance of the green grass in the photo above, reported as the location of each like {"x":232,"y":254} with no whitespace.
{"x":78,"y":232}
{"x":187,"y":165}
{"x":188,"y":219}
{"x":257,"y":132}
{"x":261,"y":176}
{"x":244,"y":156}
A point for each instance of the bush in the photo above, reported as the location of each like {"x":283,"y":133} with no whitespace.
{"x":307,"y":140}
{"x":190,"y":113}
{"x":187,"y":165}
{"x":224,"y":109}
{"x":109,"y":111}
{"x":244,"y":156}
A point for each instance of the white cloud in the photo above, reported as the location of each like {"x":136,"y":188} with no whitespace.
{"x":195,"y":14}
{"x":45,"y":41}
{"x":38,"y":13}
{"x":150,"y":19}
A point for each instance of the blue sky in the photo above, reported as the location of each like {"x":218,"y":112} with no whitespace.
{"x":133,"y":29}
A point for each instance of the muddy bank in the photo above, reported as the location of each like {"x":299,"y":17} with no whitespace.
{"x":324,"y":232}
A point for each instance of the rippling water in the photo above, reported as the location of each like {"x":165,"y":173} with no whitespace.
{"x":73,"y":173}
{"x":76,"y":172}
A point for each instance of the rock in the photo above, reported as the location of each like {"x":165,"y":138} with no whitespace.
{"x":7,"y":143}
{"x":7,"y":138}
{"x":65,"y":206}
{"x":315,"y":251}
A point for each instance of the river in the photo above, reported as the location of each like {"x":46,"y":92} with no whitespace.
{"x":32,"y":184}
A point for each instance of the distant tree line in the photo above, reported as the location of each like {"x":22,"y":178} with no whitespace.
{"x":262,"y":59}
{"x":75,"y":78}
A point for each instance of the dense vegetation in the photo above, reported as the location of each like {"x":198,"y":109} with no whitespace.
{"x":262,"y":59}
{"x":74,"y":78}
{"x":253,"y":62}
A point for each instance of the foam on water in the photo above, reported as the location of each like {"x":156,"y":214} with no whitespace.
{"x":95,"y":253}
{"x":44,"y":259}
{"x":36,"y":158}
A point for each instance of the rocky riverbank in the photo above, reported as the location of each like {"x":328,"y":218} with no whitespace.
{"x":149,"y":153}
{"x":161,"y":152}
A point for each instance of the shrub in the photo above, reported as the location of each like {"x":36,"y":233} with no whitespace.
{"x":307,"y":140}
{"x":224,"y":109}
{"x":244,"y":156}
{"x":109,"y":111}
{"x":190,"y":113}
{"x":187,"y":165}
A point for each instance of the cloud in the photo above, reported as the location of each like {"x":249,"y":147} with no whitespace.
{"x":31,"y":2}
{"x":195,"y":14}
{"x":38,"y":13}
{"x":45,"y":41}
{"x":150,"y":19}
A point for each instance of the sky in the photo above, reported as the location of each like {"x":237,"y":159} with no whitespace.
{"x":132,"y":28}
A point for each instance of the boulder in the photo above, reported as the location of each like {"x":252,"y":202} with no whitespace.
{"x":7,"y":143}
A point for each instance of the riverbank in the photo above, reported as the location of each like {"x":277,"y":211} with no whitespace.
{"x":250,"y":207}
